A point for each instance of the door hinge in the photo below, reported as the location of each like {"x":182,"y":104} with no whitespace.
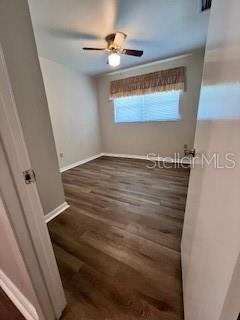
{"x":29,"y":176}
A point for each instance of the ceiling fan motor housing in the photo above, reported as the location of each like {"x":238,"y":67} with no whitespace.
{"x":113,"y":44}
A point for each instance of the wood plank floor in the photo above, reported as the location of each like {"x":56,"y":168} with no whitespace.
{"x":118,"y":245}
{"x":8,"y":311}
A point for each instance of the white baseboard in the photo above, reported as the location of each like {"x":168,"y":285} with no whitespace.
{"x":54,"y":213}
{"x":184,"y":160}
{"x":148,"y":157}
{"x":70,"y":166}
{"x":17,"y":298}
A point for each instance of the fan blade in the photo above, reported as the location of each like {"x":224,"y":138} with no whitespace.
{"x":98,"y":49}
{"x":130,"y":52}
{"x":119,"y":38}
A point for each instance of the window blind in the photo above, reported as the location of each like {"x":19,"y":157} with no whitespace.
{"x":161,"y":106}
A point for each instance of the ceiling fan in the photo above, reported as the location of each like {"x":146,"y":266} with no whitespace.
{"x":114,"y":47}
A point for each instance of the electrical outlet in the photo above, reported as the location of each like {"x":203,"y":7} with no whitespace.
{"x":61,"y":155}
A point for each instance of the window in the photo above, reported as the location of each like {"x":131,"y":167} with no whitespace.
{"x":160,"y":106}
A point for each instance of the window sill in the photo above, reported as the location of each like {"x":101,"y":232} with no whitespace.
{"x":148,"y":121}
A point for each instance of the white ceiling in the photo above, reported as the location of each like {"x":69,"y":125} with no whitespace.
{"x":162,"y":28}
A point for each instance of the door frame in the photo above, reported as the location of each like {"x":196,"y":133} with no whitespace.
{"x":33,"y":222}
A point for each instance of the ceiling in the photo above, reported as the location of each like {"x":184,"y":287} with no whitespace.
{"x":162,"y":28}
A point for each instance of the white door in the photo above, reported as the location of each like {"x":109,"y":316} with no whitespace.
{"x":24,"y":207}
{"x":211,"y":235}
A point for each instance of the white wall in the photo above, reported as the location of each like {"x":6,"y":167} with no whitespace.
{"x":18,"y":43}
{"x":163,"y":138}
{"x":74,"y":112}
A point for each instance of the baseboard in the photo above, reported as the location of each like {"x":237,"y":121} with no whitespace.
{"x":149,"y":157}
{"x":129,"y":156}
{"x":55,"y":212}
{"x":17,"y":298}
{"x":73,"y":165}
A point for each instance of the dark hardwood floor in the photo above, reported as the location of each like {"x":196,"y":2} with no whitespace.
{"x":118,"y":245}
{"x":8,"y":311}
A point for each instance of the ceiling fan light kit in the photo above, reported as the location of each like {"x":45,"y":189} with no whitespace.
{"x":114,"y":59}
{"x":115,"y":41}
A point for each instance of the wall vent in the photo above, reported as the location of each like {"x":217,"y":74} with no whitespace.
{"x":206,"y":5}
